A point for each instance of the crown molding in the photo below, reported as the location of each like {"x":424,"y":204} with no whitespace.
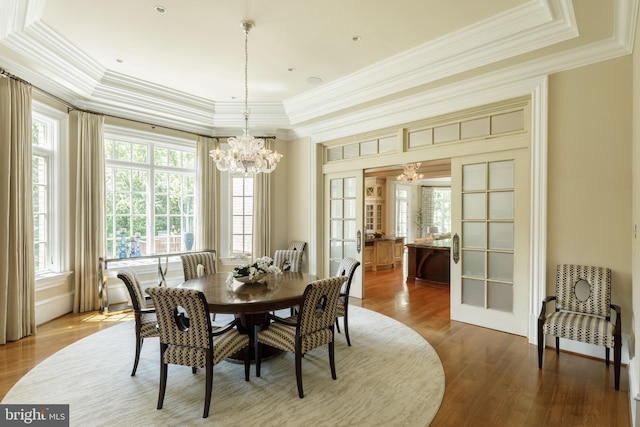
{"x":531,"y":26}
{"x":17,"y":15}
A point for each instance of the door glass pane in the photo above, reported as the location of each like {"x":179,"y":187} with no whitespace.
{"x":333,"y":267}
{"x":501,"y":175}
{"x":336,"y":249}
{"x":336,"y":229}
{"x":473,"y":292}
{"x":473,"y":263}
{"x":501,"y":235}
{"x":500,"y":296}
{"x":473,"y":177}
{"x":473,"y":235}
{"x":349,"y":187}
{"x":336,"y":209}
{"x":501,"y":205}
{"x":336,"y":188}
{"x":350,"y":249}
{"x":350,"y":229}
{"x":501,"y":266}
{"x":473,"y":206}
{"x":350,"y":208}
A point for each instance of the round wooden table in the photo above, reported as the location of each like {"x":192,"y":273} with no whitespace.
{"x":252,"y":302}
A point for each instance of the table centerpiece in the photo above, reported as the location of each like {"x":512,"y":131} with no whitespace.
{"x":253,"y":272}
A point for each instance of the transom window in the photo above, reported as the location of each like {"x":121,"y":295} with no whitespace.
{"x":150,"y":193}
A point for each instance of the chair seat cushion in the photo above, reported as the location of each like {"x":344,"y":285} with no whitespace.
{"x":284,"y":337}
{"x":149,"y":325}
{"x":340,"y":308}
{"x":224,"y":346}
{"x":580,"y":327}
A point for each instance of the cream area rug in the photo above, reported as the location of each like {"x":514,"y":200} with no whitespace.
{"x":390,"y":376}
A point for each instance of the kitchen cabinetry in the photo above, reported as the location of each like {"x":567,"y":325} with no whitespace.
{"x":374,"y":205}
{"x":382,"y":253}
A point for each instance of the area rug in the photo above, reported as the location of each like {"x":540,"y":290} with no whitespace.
{"x":390,"y":376}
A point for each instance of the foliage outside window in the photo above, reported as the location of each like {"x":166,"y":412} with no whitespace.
{"x":150,"y":193}
{"x":241,"y":214}
{"x":442,"y":209}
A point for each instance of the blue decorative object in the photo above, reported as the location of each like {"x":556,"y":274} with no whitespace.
{"x":123,"y":244}
{"x":188,"y":240}
{"x":132,"y":252}
{"x":137,"y":244}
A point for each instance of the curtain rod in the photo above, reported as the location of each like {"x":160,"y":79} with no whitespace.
{"x":71,"y":107}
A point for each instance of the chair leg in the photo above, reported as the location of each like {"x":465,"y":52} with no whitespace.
{"x":209,"y":387}
{"x":540,"y":346}
{"x":617,"y":354}
{"x":332,"y":360}
{"x":163,"y":384}
{"x":258,"y":347}
{"x":346,"y":326}
{"x":247,"y":362}
{"x":557,"y":345}
{"x":337,"y":325}
{"x":299,"y":373}
{"x":139,"y":342}
{"x":606,"y":355}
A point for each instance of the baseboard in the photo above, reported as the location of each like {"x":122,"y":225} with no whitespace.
{"x":595,"y":351}
{"x":54,"y":307}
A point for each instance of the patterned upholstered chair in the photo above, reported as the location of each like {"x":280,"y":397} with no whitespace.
{"x":194,"y":342}
{"x":146,"y":322}
{"x":582,"y":312}
{"x":311,"y":328}
{"x":288,"y":260}
{"x":297,"y":246}
{"x":198,"y":264}
{"x":346,"y":268}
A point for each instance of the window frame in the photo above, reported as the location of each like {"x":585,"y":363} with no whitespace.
{"x":227,"y":255}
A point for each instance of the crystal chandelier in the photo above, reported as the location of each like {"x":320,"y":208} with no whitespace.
{"x":246,"y":154}
{"x":410,"y":173}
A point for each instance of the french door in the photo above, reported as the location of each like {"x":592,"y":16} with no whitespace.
{"x":490,"y":240}
{"x":343,"y":223}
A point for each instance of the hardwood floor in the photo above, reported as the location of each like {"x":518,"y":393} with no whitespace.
{"x":492,"y":378}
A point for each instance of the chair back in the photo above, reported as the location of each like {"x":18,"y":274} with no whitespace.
{"x":287,"y":260}
{"x":130,"y":279}
{"x":347,"y":268}
{"x":297,"y":246}
{"x":572,"y":293}
{"x":319,"y":304}
{"x":203,"y":261}
{"x":192,"y":329}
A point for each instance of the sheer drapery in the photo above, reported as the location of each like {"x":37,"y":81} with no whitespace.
{"x":17,"y":277}
{"x":90,"y":239}
{"x":427,"y":210}
{"x":261,"y":215}
{"x":206,"y":194}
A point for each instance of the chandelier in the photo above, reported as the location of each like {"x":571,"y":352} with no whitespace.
{"x":246,"y":154}
{"x":410,"y":173}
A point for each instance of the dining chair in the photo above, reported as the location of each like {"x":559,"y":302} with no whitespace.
{"x":194,"y":342}
{"x":346,"y":268}
{"x":312,"y":327}
{"x":582,"y":312}
{"x":288,"y":260}
{"x":297,"y":246}
{"x":198,"y":264}
{"x":145,"y":316}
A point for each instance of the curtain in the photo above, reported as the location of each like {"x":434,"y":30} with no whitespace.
{"x":206,"y":194}
{"x":261,"y":215}
{"x":90,"y":240}
{"x":17,"y":276}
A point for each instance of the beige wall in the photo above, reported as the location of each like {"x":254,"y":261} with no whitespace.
{"x":635,"y":215}
{"x":589,"y":173}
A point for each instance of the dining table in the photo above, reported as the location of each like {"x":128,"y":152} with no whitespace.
{"x":252,"y":302}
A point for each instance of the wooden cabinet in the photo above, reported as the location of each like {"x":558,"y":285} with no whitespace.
{"x":398,"y":251}
{"x":368,"y":257}
{"x":381,"y":254}
{"x":374,"y":205}
{"x":429,"y":263}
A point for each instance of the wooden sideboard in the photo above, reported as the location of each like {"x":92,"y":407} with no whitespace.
{"x":430,"y":262}
{"x":383,"y":253}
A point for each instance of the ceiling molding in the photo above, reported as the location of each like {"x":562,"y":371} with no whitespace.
{"x":531,"y":26}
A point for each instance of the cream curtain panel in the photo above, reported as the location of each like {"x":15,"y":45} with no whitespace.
{"x":206,"y":194}
{"x":90,"y":202}
{"x":17,"y":277}
{"x":261,"y":215}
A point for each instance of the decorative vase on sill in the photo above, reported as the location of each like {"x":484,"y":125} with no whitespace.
{"x":188,"y":240}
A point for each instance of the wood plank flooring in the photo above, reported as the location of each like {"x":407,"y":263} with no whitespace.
{"x":492,"y":378}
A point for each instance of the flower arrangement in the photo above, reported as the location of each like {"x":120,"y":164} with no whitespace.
{"x":253,"y":272}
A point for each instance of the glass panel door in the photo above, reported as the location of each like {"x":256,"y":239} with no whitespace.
{"x":490,"y":216}
{"x":343,"y":220}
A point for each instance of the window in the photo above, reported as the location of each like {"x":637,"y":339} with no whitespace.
{"x":150,"y":193}
{"x":48,"y":189}
{"x":442,"y":209}
{"x":402,"y":211}
{"x":241,"y":214}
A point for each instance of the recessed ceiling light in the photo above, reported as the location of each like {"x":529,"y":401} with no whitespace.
{"x":291,"y":69}
{"x":119,"y":61}
{"x":314,"y":80}
{"x":160,"y":9}
{"x":355,"y":38}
